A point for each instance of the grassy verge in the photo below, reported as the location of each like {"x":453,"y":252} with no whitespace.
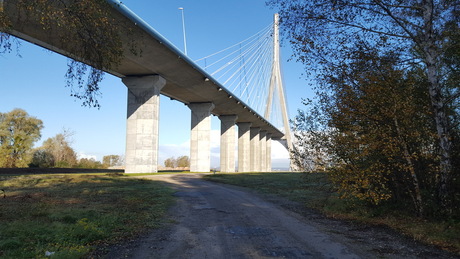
{"x":159,"y":173}
{"x":68,"y":215}
{"x":315,"y":191}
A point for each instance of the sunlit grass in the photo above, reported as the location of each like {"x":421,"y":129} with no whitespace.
{"x":158,"y":173}
{"x":315,"y":191}
{"x":69,"y":215}
{"x":312,"y":191}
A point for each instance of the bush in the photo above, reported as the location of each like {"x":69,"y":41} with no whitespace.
{"x":42,"y":159}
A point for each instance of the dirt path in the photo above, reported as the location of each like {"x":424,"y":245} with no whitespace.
{"x":219,"y":221}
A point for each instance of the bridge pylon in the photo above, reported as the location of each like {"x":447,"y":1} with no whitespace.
{"x":276,"y":84}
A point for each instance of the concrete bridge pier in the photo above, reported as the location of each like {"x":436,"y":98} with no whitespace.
{"x":142,"y":123}
{"x":200,"y":139}
{"x":255,"y":150}
{"x":227,"y":143}
{"x":244,"y":146}
{"x":263,"y":150}
{"x":268,"y":165}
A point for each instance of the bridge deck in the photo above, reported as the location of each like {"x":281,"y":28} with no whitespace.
{"x":185,"y":80}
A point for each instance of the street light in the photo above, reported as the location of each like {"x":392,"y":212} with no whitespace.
{"x":183,"y":30}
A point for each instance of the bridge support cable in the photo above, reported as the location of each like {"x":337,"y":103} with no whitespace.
{"x":244,"y":68}
{"x":276,"y":81}
{"x":251,"y":70}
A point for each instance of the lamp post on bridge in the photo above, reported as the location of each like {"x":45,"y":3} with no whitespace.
{"x":183,"y":30}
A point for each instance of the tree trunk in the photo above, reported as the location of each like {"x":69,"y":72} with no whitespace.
{"x":417,"y":196}
{"x":438,"y":103}
{"x":445,"y":144}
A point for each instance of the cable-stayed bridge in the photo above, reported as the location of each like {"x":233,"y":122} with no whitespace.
{"x":250,"y":70}
{"x":233,"y":93}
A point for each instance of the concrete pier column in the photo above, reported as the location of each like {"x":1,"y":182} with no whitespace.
{"x":200,"y":138}
{"x":269,"y":152}
{"x":227,"y":143}
{"x":255,"y":150}
{"x":244,"y":147}
{"x":142,"y":123}
{"x":263,"y":150}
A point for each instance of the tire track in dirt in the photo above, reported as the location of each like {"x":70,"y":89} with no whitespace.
{"x":218,"y":221}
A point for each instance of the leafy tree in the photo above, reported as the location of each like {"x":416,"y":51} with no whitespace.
{"x":59,"y":147}
{"x":89,"y":163}
{"x":309,"y":152}
{"x":183,"y":161}
{"x":170,"y":162}
{"x":18,"y":133}
{"x":42,"y":159}
{"x":83,"y":28}
{"x":112,"y":160}
{"x":380,"y":134}
{"x":322,"y":33}
{"x":387,"y":108}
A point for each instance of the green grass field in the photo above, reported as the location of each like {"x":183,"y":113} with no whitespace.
{"x":69,"y":215}
{"x":315,"y":191}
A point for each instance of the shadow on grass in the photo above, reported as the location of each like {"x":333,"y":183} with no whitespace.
{"x":69,"y":214}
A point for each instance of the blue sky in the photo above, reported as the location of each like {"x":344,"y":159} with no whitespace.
{"x":35,"y":82}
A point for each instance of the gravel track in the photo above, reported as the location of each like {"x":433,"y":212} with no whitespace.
{"x":213,"y":220}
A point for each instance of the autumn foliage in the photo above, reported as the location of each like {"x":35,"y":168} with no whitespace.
{"x":372,"y":129}
{"x":385,"y":121}
{"x":83,"y":28}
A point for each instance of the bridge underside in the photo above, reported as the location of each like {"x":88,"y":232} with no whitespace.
{"x":163,"y":69}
